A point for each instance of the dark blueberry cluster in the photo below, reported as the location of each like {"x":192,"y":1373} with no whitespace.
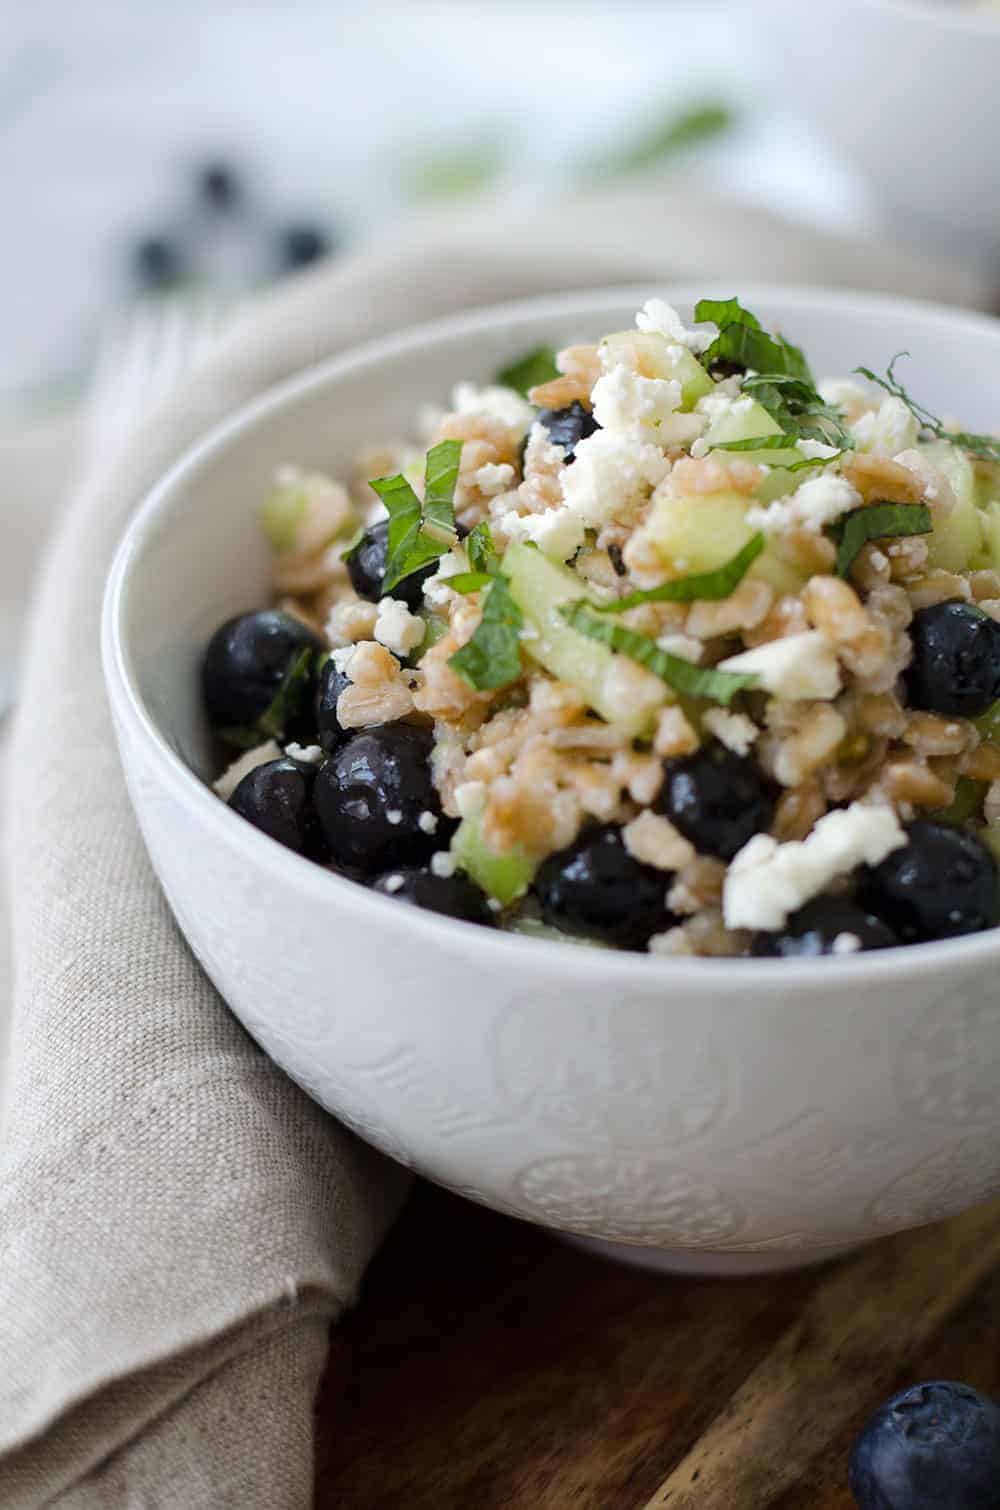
{"x":221,"y":204}
{"x":366,"y":804}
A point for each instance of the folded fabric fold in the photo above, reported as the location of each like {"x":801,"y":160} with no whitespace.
{"x":178,"y":1223}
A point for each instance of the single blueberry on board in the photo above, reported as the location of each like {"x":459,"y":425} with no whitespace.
{"x":935,"y":1446}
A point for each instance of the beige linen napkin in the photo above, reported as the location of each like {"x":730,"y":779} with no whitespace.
{"x":178,"y":1224}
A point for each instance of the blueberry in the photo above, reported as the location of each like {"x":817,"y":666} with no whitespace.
{"x":246,"y":663}
{"x":277,"y":798}
{"x":567,"y":427}
{"x":158,"y":262}
{"x":815,"y":928}
{"x":956,"y":660}
{"x":597,"y":889}
{"x":219,"y":186}
{"x":371,"y":796}
{"x":329,"y":685}
{"x":939,"y":885}
{"x":366,"y":569}
{"x":935,"y":1446}
{"x":717,"y":799}
{"x":300,"y":244}
{"x":722,"y":367}
{"x":452,"y":896}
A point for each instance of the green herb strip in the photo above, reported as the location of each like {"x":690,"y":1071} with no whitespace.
{"x":797,"y":407}
{"x":492,"y":657}
{"x":986,"y":447}
{"x":470,"y":581}
{"x":681,"y":675}
{"x":440,"y":477}
{"x":288,"y":698}
{"x":530,"y":371}
{"x":756,"y":443}
{"x":878,"y":522}
{"x":409,"y":546}
{"x":482,"y":553}
{"x":707,"y":586}
{"x":783,"y":384}
{"x":723,"y":312}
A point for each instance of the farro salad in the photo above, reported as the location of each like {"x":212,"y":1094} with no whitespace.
{"x":657,"y":643}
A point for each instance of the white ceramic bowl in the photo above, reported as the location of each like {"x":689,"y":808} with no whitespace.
{"x":722,"y":1113}
{"x":907,"y":92}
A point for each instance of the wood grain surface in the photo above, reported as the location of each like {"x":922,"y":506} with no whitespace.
{"x":489,"y":1365}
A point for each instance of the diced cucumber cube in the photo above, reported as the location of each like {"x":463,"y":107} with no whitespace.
{"x":659,"y":358}
{"x":539,"y":587}
{"x":958,"y":537}
{"x":750,"y":423}
{"x":505,"y":877}
{"x":701,"y":533}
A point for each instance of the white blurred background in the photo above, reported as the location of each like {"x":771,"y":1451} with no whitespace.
{"x":341,"y":118}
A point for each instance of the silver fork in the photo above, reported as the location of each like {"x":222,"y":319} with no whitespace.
{"x":143,"y":355}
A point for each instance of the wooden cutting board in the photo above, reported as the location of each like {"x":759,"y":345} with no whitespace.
{"x":489,"y":1365}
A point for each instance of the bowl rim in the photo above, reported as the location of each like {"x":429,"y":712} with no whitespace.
{"x":551,"y":957}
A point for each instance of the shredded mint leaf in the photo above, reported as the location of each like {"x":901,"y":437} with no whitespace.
{"x":756,"y":443}
{"x":782,"y":382}
{"x":707,"y":586}
{"x":723,"y":312}
{"x":778,"y":443}
{"x":814,"y":461}
{"x":492,"y":658}
{"x":798,"y":408}
{"x":530,"y":371}
{"x":986,"y":447}
{"x":419,"y":534}
{"x":440,"y":477}
{"x":470,"y":581}
{"x":482,"y":553}
{"x":877,"y":522}
{"x":694,"y":681}
{"x":288,"y":698}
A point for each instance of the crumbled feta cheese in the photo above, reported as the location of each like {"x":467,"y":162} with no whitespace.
{"x":610,"y":476}
{"x":494,"y":904}
{"x":470,"y":798}
{"x":683,"y":645}
{"x":846,"y":943}
{"x":812,"y":506}
{"x":392,"y":884}
{"x":627,"y":402}
{"x":443,"y":863}
{"x":397,"y":628}
{"x":502,"y":403}
{"x":248,"y":761}
{"x":815,"y":450}
{"x":436,"y":589}
{"x":721,"y":405}
{"x":797,"y":667}
{"x":305,"y":754}
{"x":493,"y":478}
{"x":888,"y":430}
{"x":394,"y":815}
{"x":846,"y":394}
{"x":427,"y":822}
{"x":657,"y":317}
{"x":735,"y":730}
{"x":557,"y":532}
{"x":767,"y":881}
{"x":342,"y":658}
